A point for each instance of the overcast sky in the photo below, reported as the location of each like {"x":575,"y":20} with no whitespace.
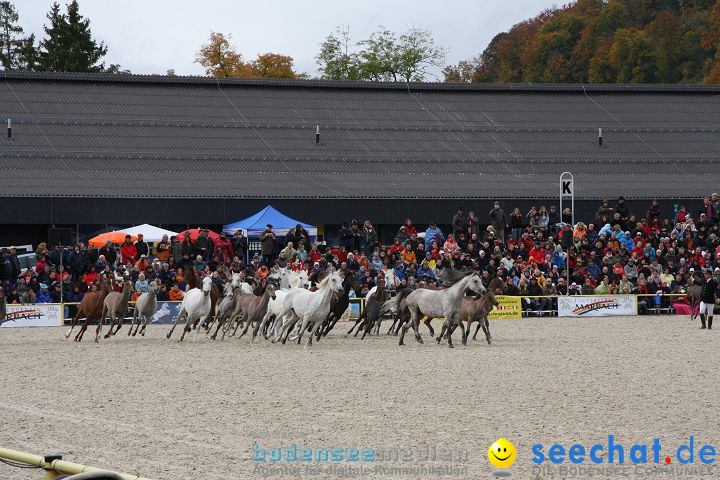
{"x":152,"y":36}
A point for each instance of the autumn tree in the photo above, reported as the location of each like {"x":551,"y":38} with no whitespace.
{"x":69,"y":46}
{"x":221,"y":59}
{"x":607,"y":41}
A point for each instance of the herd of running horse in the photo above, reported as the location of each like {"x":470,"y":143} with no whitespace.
{"x":286,"y":307}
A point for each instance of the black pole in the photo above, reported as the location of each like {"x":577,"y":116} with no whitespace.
{"x":600,"y":137}
{"x":317,"y":133}
{"x":9,"y":129}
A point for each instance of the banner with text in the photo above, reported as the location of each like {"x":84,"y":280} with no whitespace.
{"x":597,"y":306}
{"x":509,"y":308}
{"x":35,"y":315}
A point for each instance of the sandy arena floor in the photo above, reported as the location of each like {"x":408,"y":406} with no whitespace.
{"x":167,"y":410}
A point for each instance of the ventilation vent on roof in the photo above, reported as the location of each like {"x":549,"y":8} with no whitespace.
{"x":9,"y":129}
{"x":317,"y":133}
{"x":600,"y":137}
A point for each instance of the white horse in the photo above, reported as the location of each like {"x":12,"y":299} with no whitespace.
{"x":441,"y":303}
{"x":275,"y":307}
{"x":145,"y":307}
{"x":195,"y":305}
{"x":311,"y":307}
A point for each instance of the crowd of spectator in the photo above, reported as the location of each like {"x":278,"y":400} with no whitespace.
{"x":525,"y":254}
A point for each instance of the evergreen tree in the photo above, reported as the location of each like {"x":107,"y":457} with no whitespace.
{"x":12,"y":44}
{"x":69,"y":46}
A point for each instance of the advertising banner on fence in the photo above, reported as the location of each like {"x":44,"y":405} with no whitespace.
{"x":597,"y":306}
{"x":167,"y":313}
{"x":37,"y":315}
{"x":509,"y":308}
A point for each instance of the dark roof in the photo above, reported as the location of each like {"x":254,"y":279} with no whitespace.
{"x":157,"y":136}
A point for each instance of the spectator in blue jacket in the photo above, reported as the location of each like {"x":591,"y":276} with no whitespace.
{"x":425,"y":273}
{"x":433,"y":234}
{"x":43,"y":295}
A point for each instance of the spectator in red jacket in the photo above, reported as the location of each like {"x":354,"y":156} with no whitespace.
{"x":128,"y":251}
{"x":224,"y":247}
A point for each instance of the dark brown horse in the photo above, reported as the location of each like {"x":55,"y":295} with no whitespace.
{"x":90,"y":308}
{"x":371,"y":312}
{"x":475,"y":309}
{"x":192,"y":280}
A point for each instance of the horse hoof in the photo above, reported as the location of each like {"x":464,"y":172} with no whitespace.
{"x":450,"y":345}
{"x":401,"y":344}
{"x":464,"y":342}
{"x":420,"y":340}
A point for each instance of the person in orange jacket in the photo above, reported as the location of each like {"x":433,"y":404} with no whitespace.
{"x":175,"y":294}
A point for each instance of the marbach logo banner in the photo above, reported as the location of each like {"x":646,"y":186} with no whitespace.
{"x":597,"y":306}
{"x":38,"y":315}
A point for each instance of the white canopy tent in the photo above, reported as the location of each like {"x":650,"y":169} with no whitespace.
{"x":150,"y":233}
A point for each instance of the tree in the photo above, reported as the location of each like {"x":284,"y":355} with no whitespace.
{"x":15,"y":51}
{"x":384,"y":56}
{"x":335,"y":60}
{"x":117,"y":69}
{"x":220,"y":58}
{"x":632,"y":57}
{"x":417,"y":52}
{"x":463,"y":72}
{"x":69,"y":46}
{"x":273,"y":65}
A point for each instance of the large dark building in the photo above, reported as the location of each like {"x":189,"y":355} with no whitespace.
{"x":93,"y":150}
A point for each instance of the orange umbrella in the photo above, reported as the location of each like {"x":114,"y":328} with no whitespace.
{"x":114,"y":237}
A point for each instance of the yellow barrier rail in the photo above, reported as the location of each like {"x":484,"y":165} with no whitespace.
{"x":55,"y":467}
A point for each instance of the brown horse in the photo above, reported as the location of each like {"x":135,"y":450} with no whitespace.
{"x":192,"y":281}
{"x":694,"y":291}
{"x":91,"y":308}
{"x":475,"y":309}
{"x":116,"y":304}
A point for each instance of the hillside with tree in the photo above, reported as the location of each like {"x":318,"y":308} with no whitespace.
{"x":605,"y":41}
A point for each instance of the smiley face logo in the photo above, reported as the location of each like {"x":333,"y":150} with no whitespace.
{"x":502,"y":453}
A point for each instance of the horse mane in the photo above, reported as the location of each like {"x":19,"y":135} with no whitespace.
{"x":452,"y":276}
{"x":323,"y":283}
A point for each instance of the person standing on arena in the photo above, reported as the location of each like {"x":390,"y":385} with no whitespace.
{"x":707,"y":299}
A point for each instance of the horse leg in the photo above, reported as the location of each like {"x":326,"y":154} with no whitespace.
{"x":197,"y":331}
{"x":477,"y":329}
{"x":317,"y":327}
{"x":78,"y":337}
{"x":486,"y":329}
{"x":450,"y":329}
{"x":260,"y":325}
{"x":427,"y":322}
{"x":459,"y":323}
{"x":177,"y":320}
{"x":241,"y":319}
{"x":247,"y":325}
{"x":132,"y":321}
{"x":188,"y":326}
{"x":98,"y":330}
{"x":74,"y":322}
{"x":442,"y":332}
{"x":120,"y":321}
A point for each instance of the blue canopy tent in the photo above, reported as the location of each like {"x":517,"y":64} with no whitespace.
{"x":254,"y":226}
